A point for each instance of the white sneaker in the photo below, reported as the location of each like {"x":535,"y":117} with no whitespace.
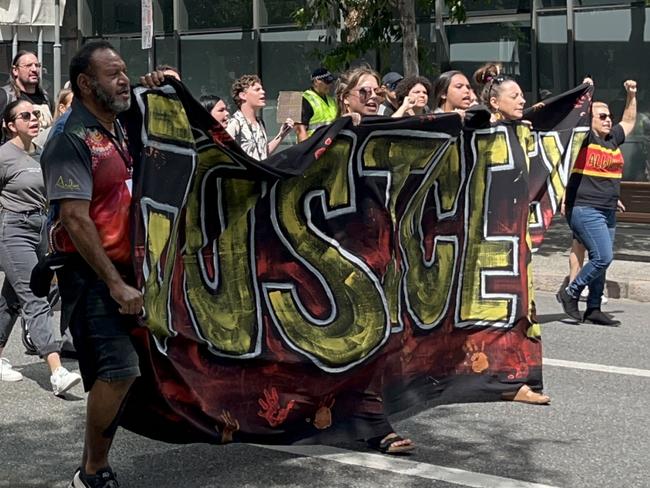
{"x":7,"y":372}
{"x":62,"y":380}
{"x":585,"y":293}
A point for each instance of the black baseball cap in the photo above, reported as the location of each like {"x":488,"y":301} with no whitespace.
{"x":323,"y":75}
{"x":391,"y":79}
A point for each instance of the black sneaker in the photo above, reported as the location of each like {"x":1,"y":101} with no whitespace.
{"x":598,"y":317}
{"x":105,"y":478}
{"x":569,"y":304}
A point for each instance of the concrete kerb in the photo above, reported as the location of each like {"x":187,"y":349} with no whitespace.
{"x":617,"y":286}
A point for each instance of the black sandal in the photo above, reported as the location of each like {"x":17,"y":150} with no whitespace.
{"x":385,"y":444}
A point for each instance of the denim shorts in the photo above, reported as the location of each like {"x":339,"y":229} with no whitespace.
{"x":102,"y":335}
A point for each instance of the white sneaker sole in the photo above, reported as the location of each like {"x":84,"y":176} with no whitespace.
{"x":11,"y":380}
{"x":60,"y":391}
{"x":76,"y":482}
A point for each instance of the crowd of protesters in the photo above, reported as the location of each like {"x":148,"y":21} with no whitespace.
{"x":72,"y":161}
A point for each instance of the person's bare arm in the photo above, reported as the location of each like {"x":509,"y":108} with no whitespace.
{"x":76,"y":219}
{"x":629,"y":114}
{"x":284,"y":131}
{"x":407,"y":105}
{"x":301,"y":132}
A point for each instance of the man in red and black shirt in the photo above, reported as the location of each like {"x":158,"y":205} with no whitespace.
{"x":591,"y":201}
{"x":87,"y":170}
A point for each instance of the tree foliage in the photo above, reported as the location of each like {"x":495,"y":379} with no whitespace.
{"x":366,"y":25}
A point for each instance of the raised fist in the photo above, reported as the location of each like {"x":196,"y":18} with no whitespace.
{"x":630,"y":86}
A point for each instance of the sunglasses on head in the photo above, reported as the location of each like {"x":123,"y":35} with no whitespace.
{"x":605,"y":116}
{"x":497,"y":80}
{"x":26,"y":116}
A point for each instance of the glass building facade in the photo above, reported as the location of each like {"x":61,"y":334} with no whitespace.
{"x":547,"y":45}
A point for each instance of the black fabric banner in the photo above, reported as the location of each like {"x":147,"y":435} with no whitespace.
{"x":371,"y":270}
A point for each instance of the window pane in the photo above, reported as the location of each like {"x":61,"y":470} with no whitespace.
{"x":612,"y":46}
{"x":211,"y":62}
{"x":115,"y":17}
{"x":486,"y":5}
{"x":274,"y":12}
{"x":166,"y":51}
{"x":507,"y":43}
{"x":299,"y":52}
{"x":5,"y":62}
{"x":552,"y":55}
{"x":163,"y":11}
{"x":218,"y":14}
{"x":68,"y":50}
{"x":596,"y":3}
{"x":133,"y":55}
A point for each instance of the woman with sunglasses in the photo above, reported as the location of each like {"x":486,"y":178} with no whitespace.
{"x":358,"y":94}
{"x":505,"y":100}
{"x":413,"y":96}
{"x":590,"y":206}
{"x":23,"y":241}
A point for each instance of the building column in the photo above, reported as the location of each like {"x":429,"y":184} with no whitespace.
{"x":571,"y":53}
{"x":56,"y":49}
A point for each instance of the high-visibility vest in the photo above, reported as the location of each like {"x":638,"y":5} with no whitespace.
{"x":325,"y":112}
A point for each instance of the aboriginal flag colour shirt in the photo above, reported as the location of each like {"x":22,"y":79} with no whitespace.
{"x":595,"y":180}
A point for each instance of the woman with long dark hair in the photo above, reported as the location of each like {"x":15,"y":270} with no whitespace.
{"x":217,"y":108}
{"x":413,"y":96}
{"x":23,"y":241}
{"x":451,"y":92}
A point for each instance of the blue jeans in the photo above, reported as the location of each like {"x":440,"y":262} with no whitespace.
{"x":595,"y":229}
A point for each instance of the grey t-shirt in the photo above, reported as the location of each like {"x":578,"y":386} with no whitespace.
{"x":21,"y":181}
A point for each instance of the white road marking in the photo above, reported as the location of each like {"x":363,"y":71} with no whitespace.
{"x":603,"y":368}
{"x":405,"y":467}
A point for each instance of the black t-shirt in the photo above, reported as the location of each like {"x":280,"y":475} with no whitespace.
{"x":307,"y":112}
{"x":37,"y":98}
{"x":596,"y":176}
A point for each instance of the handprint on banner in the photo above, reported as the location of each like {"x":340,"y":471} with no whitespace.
{"x":323,"y":417}
{"x":230,"y":426}
{"x":475,"y":357}
{"x":271,"y":410}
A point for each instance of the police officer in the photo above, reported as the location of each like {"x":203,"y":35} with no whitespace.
{"x":318,"y":106}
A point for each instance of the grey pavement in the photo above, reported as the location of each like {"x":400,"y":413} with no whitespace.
{"x":627,"y":277}
{"x":594,"y":434}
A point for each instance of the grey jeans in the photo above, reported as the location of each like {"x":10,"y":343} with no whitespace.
{"x":23,"y":240}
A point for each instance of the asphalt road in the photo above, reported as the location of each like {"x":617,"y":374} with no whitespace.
{"x":595,"y":433}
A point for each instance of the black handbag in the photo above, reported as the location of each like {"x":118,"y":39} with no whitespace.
{"x":43,"y":273}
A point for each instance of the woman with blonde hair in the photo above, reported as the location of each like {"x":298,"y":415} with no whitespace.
{"x":358,"y":91}
{"x":358,"y":94}
{"x":64,"y":100}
